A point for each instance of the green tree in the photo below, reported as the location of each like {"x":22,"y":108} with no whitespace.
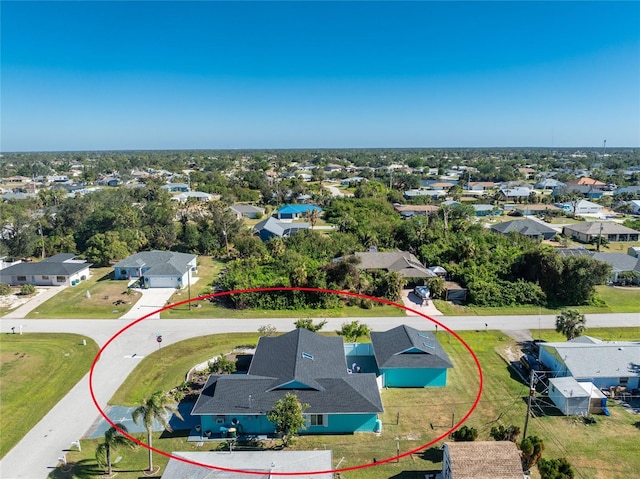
{"x":555,"y":469}
{"x":307,"y":323}
{"x":437,"y":287}
{"x":158,"y":407}
{"x":464,"y":434}
{"x":5,"y":289}
{"x":501,"y":433}
{"x":531,"y":447}
{"x":113,"y":439}
{"x":222,"y":365}
{"x":287,"y":414}
{"x":571,"y":323}
{"x":103,"y":248}
{"x":267,"y":330}
{"x":354,"y":330}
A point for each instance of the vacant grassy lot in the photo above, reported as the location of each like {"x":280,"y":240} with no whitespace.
{"x":36,"y":371}
{"x":614,"y":300}
{"x":73,"y":303}
{"x":414,"y":417}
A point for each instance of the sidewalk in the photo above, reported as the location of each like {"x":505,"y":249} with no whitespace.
{"x":21,"y":311}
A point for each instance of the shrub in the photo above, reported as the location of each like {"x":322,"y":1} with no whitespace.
{"x":555,"y":469}
{"x":27,"y":289}
{"x":464,"y":434}
{"x":5,"y":289}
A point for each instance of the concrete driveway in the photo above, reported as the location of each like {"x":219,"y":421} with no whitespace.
{"x":151,"y":300}
{"x":411,"y":300}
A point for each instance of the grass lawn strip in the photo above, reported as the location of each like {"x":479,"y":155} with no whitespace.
{"x":36,"y":371}
{"x":104,"y":293}
{"x":609,"y":447}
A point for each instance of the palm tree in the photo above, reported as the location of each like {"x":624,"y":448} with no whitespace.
{"x":314,"y":214}
{"x":570,"y":323}
{"x":113,"y":439}
{"x":158,"y":407}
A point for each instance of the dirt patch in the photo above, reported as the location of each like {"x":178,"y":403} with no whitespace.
{"x":12,"y":301}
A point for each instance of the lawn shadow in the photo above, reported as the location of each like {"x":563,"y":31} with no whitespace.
{"x":636,"y":424}
{"x":83,"y":469}
{"x":110,"y":276}
{"x":174,"y":434}
{"x":433,"y":454}
{"x":415,"y":474}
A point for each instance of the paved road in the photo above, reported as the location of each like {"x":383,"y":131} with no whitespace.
{"x":38,"y":452}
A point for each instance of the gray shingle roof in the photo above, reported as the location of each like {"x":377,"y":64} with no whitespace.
{"x":279,"y":361}
{"x":593,"y":228}
{"x":402,"y":262}
{"x":406,"y":347}
{"x":525,"y":227}
{"x":280,"y":228}
{"x":160,"y":263}
{"x":57,"y":265}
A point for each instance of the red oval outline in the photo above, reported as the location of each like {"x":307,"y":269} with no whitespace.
{"x":290,"y":288}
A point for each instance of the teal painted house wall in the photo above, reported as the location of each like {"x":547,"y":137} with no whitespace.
{"x":258,"y":424}
{"x":344,"y":423}
{"x":414,"y":378}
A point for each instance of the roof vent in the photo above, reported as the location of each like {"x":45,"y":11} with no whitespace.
{"x":307,"y":356}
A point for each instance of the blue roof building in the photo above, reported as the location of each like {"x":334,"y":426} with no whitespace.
{"x":292,"y":212}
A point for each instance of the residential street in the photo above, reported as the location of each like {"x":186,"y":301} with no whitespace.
{"x":75,"y":413}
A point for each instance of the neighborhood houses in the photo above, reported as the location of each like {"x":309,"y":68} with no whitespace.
{"x":461,"y":236}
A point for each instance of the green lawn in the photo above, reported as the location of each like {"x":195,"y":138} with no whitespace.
{"x":36,"y":371}
{"x":73,"y":303}
{"x":413,"y":417}
{"x":614,"y":300}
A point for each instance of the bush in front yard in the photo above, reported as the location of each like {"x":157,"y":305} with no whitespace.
{"x":5,"y":289}
{"x":27,"y":289}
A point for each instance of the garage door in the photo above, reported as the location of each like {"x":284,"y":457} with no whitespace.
{"x":163,"y":282}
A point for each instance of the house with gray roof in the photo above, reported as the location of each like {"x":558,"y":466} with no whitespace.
{"x":311,"y":366}
{"x":271,"y":228}
{"x":619,"y":262}
{"x":257,"y":464}
{"x":525,"y":227}
{"x":406,"y":357}
{"x":247,"y":211}
{"x":509,"y":194}
{"x":60,"y":269}
{"x":401,"y":262}
{"x":158,"y":269}
{"x":587,"y":232}
{"x":604,"y":363}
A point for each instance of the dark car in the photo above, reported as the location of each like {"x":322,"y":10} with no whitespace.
{"x":422,"y":292}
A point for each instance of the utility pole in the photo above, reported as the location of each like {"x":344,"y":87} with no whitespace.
{"x":189,"y":284}
{"x":599,"y":237}
{"x":532,"y":391}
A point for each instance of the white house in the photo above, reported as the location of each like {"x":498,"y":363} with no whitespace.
{"x":60,"y":269}
{"x":581,"y":207}
{"x":158,"y":269}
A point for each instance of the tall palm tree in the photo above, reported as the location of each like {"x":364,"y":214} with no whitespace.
{"x":113,"y":439}
{"x":158,"y":407}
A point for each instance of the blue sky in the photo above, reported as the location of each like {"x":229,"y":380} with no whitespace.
{"x":172,"y":75}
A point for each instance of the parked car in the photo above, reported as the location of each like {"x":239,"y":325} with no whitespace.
{"x":422,"y":292}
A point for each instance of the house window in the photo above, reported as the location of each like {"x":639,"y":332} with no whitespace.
{"x":44,"y":276}
{"x":317,"y":420}
{"x":123,"y":272}
{"x":22,"y":278}
{"x":624,"y":381}
{"x":61,"y":279}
